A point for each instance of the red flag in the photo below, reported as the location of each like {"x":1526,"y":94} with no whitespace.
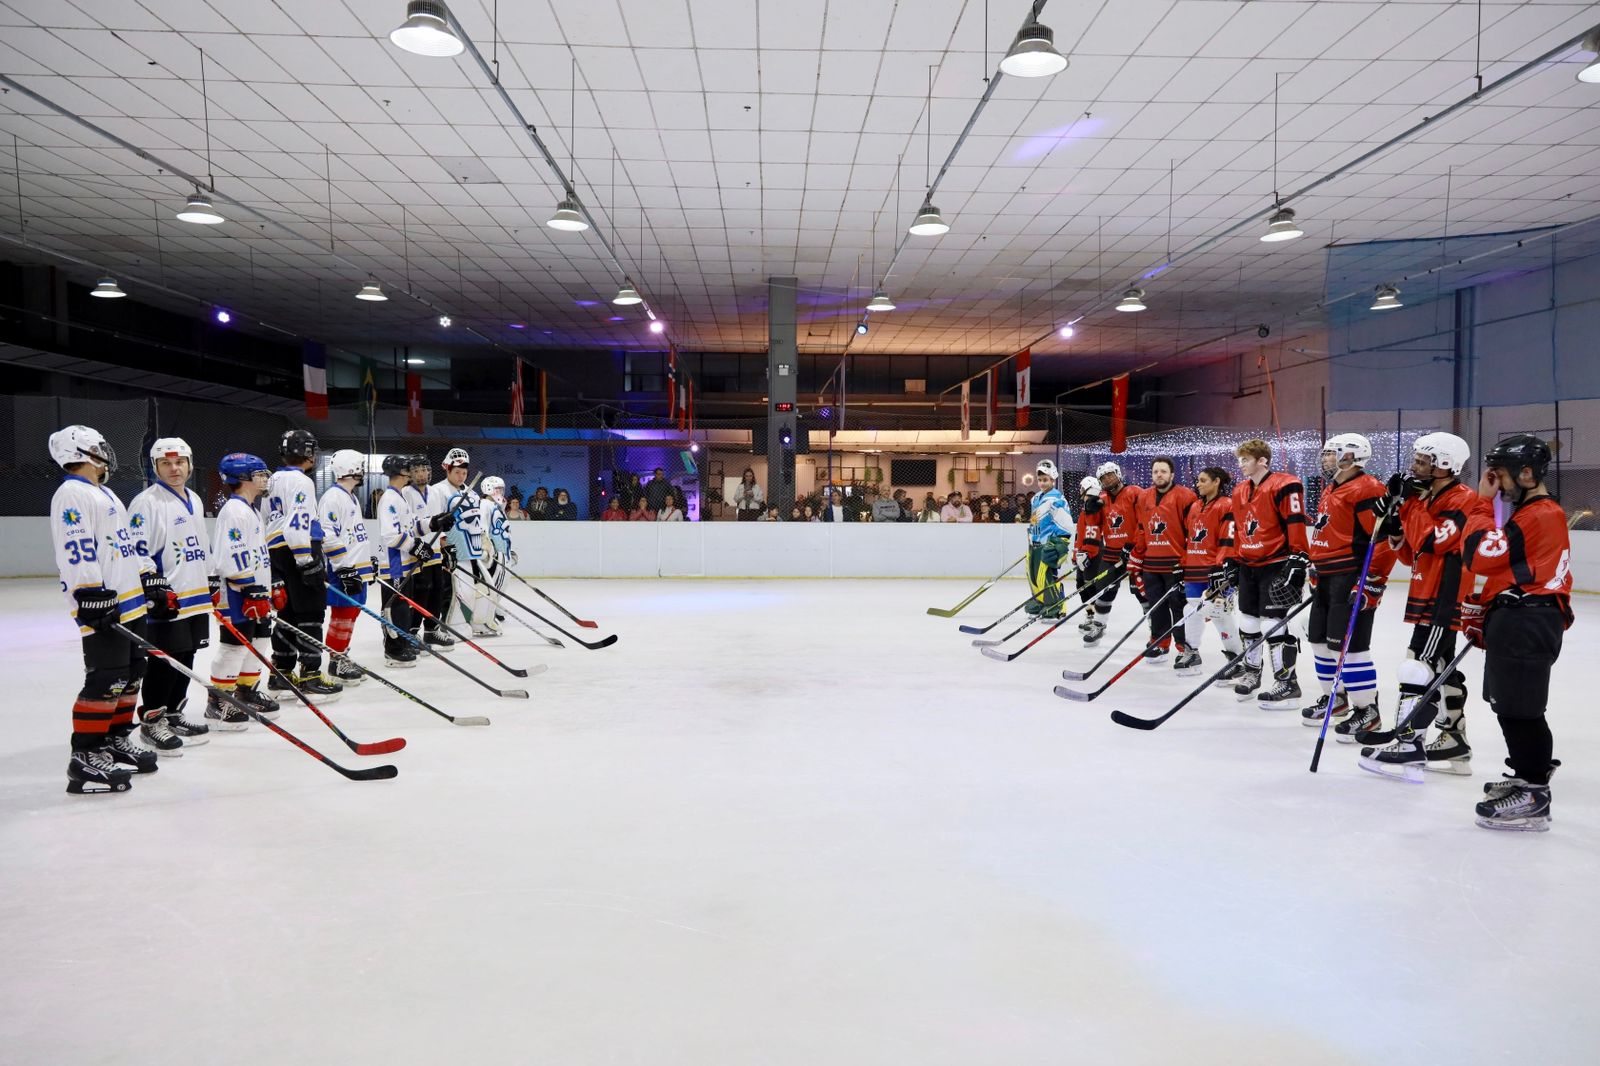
{"x":516,"y":395}
{"x":1024,"y":386}
{"x":314,"y":371}
{"x":966,"y":409}
{"x":993,"y":406}
{"x":544,"y":401}
{"x":1119,"y":413}
{"x":414,"y":403}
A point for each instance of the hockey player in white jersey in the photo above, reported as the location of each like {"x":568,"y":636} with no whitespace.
{"x":497,"y":550}
{"x":401,"y":552}
{"x":241,"y":594}
{"x":103,"y":578}
{"x":295,"y":544}
{"x":430,"y":586}
{"x":353,"y":561}
{"x":464,"y":546}
{"x":167,"y":521}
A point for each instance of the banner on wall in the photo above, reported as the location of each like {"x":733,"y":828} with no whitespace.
{"x":992,"y":408}
{"x":544,"y":401}
{"x":966,"y":410}
{"x":413,"y":403}
{"x":1024,"y":386}
{"x":517,"y":411}
{"x":1119,"y":413}
{"x":314,"y":370}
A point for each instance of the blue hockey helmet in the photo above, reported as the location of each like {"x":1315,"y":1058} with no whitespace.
{"x":241,"y":466}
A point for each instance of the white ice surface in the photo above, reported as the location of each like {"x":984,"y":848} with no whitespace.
{"x":792,"y":823}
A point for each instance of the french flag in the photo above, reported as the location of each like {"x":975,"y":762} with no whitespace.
{"x":315,"y":370}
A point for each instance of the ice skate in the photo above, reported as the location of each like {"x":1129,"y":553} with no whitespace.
{"x":123,"y":750}
{"x":90,"y":772}
{"x":1155,"y":652}
{"x":1518,"y":806}
{"x":1096,"y":630}
{"x":1360,"y":725}
{"x":316,"y":684}
{"x":258,"y":701}
{"x":1186,"y":664}
{"x":159,"y":735}
{"x":225,"y":717}
{"x":193,"y":734}
{"x":1313,"y":715}
{"x":1282,"y":696}
{"x":1402,"y":760}
{"x":1249,"y":680}
{"x":400,"y":657}
{"x":439,"y":639}
{"x":1230,"y":673}
{"x":1506,"y":782}
{"x":346,"y":672}
{"x":1449,"y":753}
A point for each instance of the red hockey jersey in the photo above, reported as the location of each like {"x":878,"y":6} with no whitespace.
{"x":1531,"y":553}
{"x":1339,"y":535}
{"x":1269,"y":519}
{"x":1163,"y":533}
{"x":1089,"y":529}
{"x":1120,"y":519}
{"x":1434,"y":531}
{"x":1209,"y":537}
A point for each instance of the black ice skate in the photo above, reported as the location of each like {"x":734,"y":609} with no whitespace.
{"x":1498,"y":788}
{"x":1362,"y":727}
{"x":400,"y":657}
{"x":1154,"y":652}
{"x":1519,"y":806}
{"x":1096,"y":630}
{"x":1230,"y":673}
{"x":91,"y":772}
{"x":252,"y":696}
{"x":120,"y":747}
{"x":1449,"y":753}
{"x":225,"y":717}
{"x":1284,"y":695}
{"x":1186,"y":664}
{"x":193,"y":734}
{"x":438,"y":638}
{"x":1313,"y":715}
{"x":1402,"y":760}
{"x":159,"y":735}
{"x":346,"y":672}
{"x":1249,"y":680}
{"x":278,"y":679}
{"x":318,"y":686}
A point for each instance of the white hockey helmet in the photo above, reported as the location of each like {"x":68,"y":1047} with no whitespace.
{"x":456,"y":457}
{"x":171,"y":448}
{"x":1353,"y":444}
{"x":1047,"y":468}
{"x":1107,"y":468}
{"x":1089,"y":484}
{"x":1446,"y":450}
{"x":493,"y":487}
{"x":347,"y":462}
{"x":78,"y":444}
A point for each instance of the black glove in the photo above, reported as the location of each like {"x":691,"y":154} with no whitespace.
{"x":1092,"y":505}
{"x":441,"y":523}
{"x":350,"y":582}
{"x":421,"y":552}
{"x":1230,"y":570}
{"x":447,"y":555}
{"x":214,"y":584}
{"x":1293,"y":575}
{"x":97,"y":606}
{"x":1219,"y":581}
{"x":309,"y":565}
{"x":159,"y":597}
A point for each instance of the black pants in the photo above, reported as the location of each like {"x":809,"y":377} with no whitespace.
{"x":1103,"y":563}
{"x":113,"y":668}
{"x":1521,"y":644}
{"x":164,"y":687}
{"x":429,"y":587}
{"x":1164,"y":619}
{"x":1255,"y":590}
{"x":1329,"y":614}
{"x":401,"y":614}
{"x":307,"y":606}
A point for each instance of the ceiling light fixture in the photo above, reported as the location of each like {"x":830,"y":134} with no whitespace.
{"x":1067,"y":331}
{"x":567,"y":217}
{"x":371,"y":292}
{"x":1033,"y":54}
{"x":444,"y":321}
{"x":627,"y":296}
{"x":1387,"y":299}
{"x":426,"y":31}
{"x":1132,"y":300}
{"x":199,"y":211}
{"x":861,"y":329}
{"x":1590,"y":75}
{"x":1282,"y":227}
{"x":658,"y":326}
{"x":223,"y":316}
{"x":415,"y":361}
{"x":880,"y":302}
{"x":928,"y":223}
{"x":106,"y":289}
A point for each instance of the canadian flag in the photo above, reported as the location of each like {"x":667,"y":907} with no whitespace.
{"x":1024,"y":386}
{"x":413,"y":403}
{"x":966,"y":410}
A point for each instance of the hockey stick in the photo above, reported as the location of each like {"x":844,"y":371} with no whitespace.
{"x":523,"y":622}
{"x":952,"y":612}
{"x":1420,"y":709}
{"x":503,"y":693}
{"x":1084,"y":697}
{"x":515,"y":671}
{"x":380,"y":679}
{"x":1151,"y":723}
{"x":370,"y":773}
{"x":1032,"y":620}
{"x":592,"y":645}
{"x":1033,"y":598}
{"x":382,"y":747}
{"x":584,"y":622}
{"x":1074,"y":675}
{"x":997,"y":654}
{"x":1357,"y":594}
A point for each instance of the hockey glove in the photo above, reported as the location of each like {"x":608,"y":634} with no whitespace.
{"x":97,"y":606}
{"x":309,"y":565}
{"x":447,"y":556}
{"x":1472,"y":621}
{"x":1081,"y":561}
{"x":280,"y":596}
{"x":215,"y":584}
{"x":158,"y":594}
{"x":257,"y":603}
{"x":421,"y":552}
{"x":350,"y":582}
{"x":1293,"y":576}
{"x":1218,"y":582}
{"x":1369,"y":595}
{"x":511,"y":558}
{"x":441,"y":523}
{"x":1135,"y":566}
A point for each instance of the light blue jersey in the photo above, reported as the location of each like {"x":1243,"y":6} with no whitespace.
{"x":1050,"y":517}
{"x":467,"y":533}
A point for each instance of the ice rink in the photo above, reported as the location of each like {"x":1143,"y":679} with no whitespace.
{"x":791,"y":823}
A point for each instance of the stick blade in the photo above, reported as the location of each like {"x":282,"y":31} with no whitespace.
{"x":536,"y":669}
{"x":940,"y":612}
{"x":972,"y":629}
{"x":370,"y":773}
{"x":381,"y":747}
{"x":517,"y":671}
{"x":471,"y":719}
{"x":604,"y":642}
{"x":986,"y":643}
{"x":996,"y":653}
{"x":1073,"y":675}
{"x":1074,"y":695}
{"x":585,"y":623}
{"x":1135,"y":723}
{"x":511,"y":693}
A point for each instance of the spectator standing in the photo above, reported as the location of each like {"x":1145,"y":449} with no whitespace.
{"x":657,"y":490}
{"x":954,"y":510}
{"x":835,"y":510}
{"x":747,"y":498}
{"x":563,"y":510}
{"x":614,"y":511}
{"x":538,"y":508}
{"x":810,"y":514}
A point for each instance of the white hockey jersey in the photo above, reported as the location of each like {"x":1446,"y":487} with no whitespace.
{"x":340,"y":515}
{"x":94,"y":548}
{"x":169,"y":529}
{"x":397,"y":534}
{"x":497,"y":539}
{"x":239,"y":547}
{"x":289,"y":514}
{"x":467,"y":533}
{"x":427,"y":501}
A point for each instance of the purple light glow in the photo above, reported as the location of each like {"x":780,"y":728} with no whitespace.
{"x":518,"y":325}
{"x":614,"y":318}
{"x":587,"y":303}
{"x":223,"y":316}
{"x":1043,"y":144}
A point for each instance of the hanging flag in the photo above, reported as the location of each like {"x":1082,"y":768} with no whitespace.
{"x":1024,"y":386}
{"x":684,"y":385}
{"x":414,"y":403}
{"x":672,"y":382}
{"x":966,"y":410}
{"x":992,"y":408}
{"x":1119,"y":414}
{"x":516,"y":394}
{"x":689,"y":407}
{"x":544,"y":401}
{"x":369,"y":393}
{"x":314,"y":369}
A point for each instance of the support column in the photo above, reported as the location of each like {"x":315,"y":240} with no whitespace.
{"x":783,"y":374}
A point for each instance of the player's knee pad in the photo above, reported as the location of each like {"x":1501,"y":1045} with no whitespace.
{"x":1413,"y":675}
{"x":1249,"y":623}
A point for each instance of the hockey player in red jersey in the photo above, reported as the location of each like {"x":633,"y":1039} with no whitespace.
{"x":1426,"y":532}
{"x":1519,"y":620}
{"x":1159,"y":542}
{"x":1118,"y":520}
{"x":1209,"y":600}
{"x":1268,"y":565}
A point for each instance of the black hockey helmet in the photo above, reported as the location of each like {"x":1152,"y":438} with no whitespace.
{"x":298,"y":444}
{"x":1520,"y":450}
{"x":396,"y":465}
{"x":419,"y":459}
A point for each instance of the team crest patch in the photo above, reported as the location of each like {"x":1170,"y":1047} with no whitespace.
{"x":1252,"y":527}
{"x":1322,"y":521}
{"x":1157,"y":526}
{"x":136,"y":522}
{"x":299,"y":497}
{"x":236,"y":534}
{"x":72,"y":517}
